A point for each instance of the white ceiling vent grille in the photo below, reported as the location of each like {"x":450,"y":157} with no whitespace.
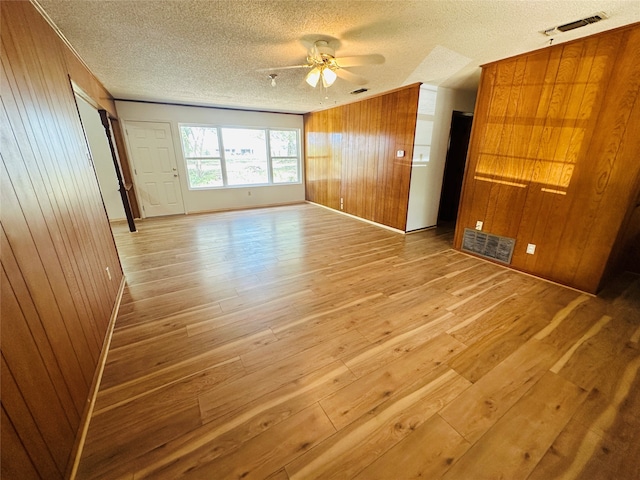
{"x":488,"y":245}
{"x":596,"y":17}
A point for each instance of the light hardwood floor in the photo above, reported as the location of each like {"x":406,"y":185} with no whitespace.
{"x":297,"y":343}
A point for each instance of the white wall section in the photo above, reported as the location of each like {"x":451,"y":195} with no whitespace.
{"x":430,"y":151}
{"x":214,"y":199}
{"x":101,"y":154}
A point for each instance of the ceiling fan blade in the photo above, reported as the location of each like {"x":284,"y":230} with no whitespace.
{"x":283,"y":68}
{"x":350,"y":77}
{"x":359,"y":60}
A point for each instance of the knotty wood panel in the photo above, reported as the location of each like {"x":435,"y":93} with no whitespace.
{"x":550,"y":160}
{"x":57,"y":297}
{"x":351,"y":155}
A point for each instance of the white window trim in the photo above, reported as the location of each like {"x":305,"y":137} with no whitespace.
{"x":223,"y":162}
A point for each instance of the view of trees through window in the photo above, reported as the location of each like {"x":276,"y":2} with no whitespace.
{"x":218,"y":157}
{"x":284,"y":155}
{"x":202,"y":155}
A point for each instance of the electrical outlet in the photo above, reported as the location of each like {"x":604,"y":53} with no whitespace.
{"x":108,"y":272}
{"x":479,"y":225}
{"x":341,"y":203}
{"x":531,"y":248}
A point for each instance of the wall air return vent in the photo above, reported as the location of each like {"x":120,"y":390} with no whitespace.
{"x":488,"y":245}
{"x":576,"y":24}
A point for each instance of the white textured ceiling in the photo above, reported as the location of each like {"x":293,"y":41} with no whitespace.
{"x":208,"y":52}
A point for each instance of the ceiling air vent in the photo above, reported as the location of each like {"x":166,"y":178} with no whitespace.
{"x":576,"y":24}
{"x":488,"y":245}
{"x":360,"y":90}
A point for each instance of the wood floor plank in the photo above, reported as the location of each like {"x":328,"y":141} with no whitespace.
{"x":581,"y":453}
{"x":262,"y":455}
{"x":612,"y":408}
{"x":132,"y":365}
{"x":427,"y":453}
{"x":482,"y":405}
{"x":122,"y":394}
{"x":369,"y":391}
{"x":331,"y":348}
{"x":225,"y":434}
{"x":389,"y":349}
{"x":279,"y":475}
{"x":518,"y":440}
{"x":229,"y":397}
{"x":358,"y":444}
{"x":598,"y":357}
{"x":97,"y":458}
{"x":499,"y":343}
{"x":401,"y":314}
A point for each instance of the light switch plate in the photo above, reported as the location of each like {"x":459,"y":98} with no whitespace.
{"x":479,"y":225}
{"x":531,"y":248}
{"x":400,"y":153}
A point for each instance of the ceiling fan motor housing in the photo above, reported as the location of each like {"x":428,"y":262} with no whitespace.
{"x":324,"y":50}
{"x":322,"y":55}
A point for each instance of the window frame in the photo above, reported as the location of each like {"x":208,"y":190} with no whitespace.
{"x":186,"y":159}
{"x":297,"y":157}
{"x":223,"y":161}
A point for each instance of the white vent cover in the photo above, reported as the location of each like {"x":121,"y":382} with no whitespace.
{"x":487,"y":245}
{"x":583,"y":22}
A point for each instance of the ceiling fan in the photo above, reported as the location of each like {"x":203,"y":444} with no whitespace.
{"x":324,"y":65}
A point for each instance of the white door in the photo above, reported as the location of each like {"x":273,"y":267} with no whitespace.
{"x":155,"y":168}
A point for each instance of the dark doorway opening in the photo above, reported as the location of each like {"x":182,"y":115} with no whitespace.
{"x":454,"y":166}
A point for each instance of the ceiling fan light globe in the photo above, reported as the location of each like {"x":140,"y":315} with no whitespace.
{"x":313,"y":77}
{"x":328,"y":77}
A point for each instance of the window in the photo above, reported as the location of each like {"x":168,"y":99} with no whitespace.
{"x":284,"y":155}
{"x":245,"y":155}
{"x":229,"y":156}
{"x":202,"y":156}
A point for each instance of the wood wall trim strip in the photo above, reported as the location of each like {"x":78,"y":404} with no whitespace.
{"x":72,"y":468}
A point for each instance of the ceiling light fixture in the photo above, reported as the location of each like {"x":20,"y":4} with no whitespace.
{"x":328,"y":77}
{"x":325,"y":73}
{"x":313,"y":76}
{"x":323,"y":65}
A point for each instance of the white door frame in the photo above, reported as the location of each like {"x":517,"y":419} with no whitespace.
{"x":129,"y":125}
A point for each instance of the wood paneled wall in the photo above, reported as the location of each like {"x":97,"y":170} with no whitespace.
{"x":56,"y":295}
{"x":351,"y":154}
{"x":553,"y":159}
{"x":626,"y":251}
